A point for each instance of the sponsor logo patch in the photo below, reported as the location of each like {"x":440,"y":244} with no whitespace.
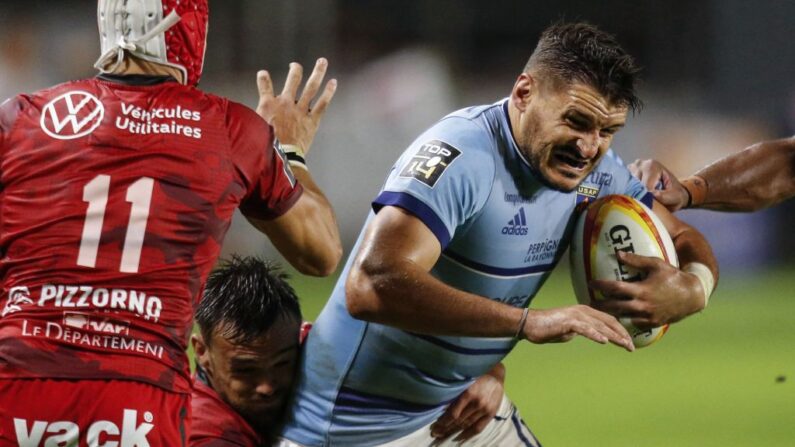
{"x":516,"y":226}
{"x":72,"y":115}
{"x":96,"y":323}
{"x":430,"y":162}
{"x":177,"y":120}
{"x":132,"y":431}
{"x":542,"y":251}
{"x":17,"y":296}
{"x":586,"y":194}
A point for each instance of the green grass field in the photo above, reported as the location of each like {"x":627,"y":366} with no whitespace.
{"x":723,"y":378}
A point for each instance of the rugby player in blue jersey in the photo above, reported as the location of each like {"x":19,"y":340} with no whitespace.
{"x":469,"y":224}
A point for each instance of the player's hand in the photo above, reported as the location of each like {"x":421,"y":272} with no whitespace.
{"x":665,"y":295}
{"x":296,"y":119}
{"x":564,"y":323}
{"x":474,"y":408}
{"x":661,"y":183}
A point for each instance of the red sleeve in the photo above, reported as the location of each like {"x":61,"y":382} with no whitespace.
{"x":271,"y":187}
{"x":9,"y":111}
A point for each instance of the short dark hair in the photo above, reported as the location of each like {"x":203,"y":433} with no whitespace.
{"x":582,"y":52}
{"x":243,"y":298}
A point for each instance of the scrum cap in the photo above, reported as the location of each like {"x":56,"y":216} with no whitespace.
{"x":168,"y":32}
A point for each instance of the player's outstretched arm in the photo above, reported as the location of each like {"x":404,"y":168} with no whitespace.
{"x":757,"y":177}
{"x":667,"y":294}
{"x":760,"y":176}
{"x":307,"y":235}
{"x":390,"y":283}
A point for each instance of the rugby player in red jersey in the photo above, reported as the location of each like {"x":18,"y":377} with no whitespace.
{"x":117,"y":192}
{"x":247,"y":350}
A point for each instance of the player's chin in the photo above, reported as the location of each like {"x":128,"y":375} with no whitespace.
{"x":564,"y":178}
{"x":270,"y":410}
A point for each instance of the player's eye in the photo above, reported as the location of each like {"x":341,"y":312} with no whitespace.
{"x":245,"y":371}
{"x":283,"y":363}
{"x":609,"y":132}
{"x":577,"y":122}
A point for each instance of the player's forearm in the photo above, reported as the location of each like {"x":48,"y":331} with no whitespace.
{"x":403,"y":295}
{"x":325,"y":229}
{"x":307,"y":235}
{"x":321,"y":237}
{"x":692,"y":247}
{"x":755,"y":178}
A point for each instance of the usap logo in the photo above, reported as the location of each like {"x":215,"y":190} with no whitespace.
{"x":430,"y":162}
{"x":586,"y":194}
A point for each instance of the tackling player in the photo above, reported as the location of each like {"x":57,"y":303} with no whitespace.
{"x":471,"y":221}
{"x":117,"y":192}
{"x":246,"y":353}
{"x":757,"y":177}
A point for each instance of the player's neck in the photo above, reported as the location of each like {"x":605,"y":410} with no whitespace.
{"x":134,"y":66}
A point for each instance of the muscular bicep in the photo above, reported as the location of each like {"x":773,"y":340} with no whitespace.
{"x":397,"y":252}
{"x":397,"y":235}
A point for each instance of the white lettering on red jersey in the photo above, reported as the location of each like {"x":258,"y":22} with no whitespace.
{"x":115,"y":201}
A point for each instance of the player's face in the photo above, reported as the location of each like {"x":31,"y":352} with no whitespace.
{"x":256,"y":379}
{"x":564,"y":129}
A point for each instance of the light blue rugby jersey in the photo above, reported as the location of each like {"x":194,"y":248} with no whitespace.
{"x":502,"y":232}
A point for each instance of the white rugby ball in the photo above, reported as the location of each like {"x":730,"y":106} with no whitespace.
{"x":611,"y":224}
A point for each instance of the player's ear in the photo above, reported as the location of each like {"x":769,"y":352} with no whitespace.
{"x":200,"y":349}
{"x":523,"y":91}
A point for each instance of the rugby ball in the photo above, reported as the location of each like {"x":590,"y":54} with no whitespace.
{"x":611,"y":224}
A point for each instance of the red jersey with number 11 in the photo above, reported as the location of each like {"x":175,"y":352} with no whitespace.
{"x":116,"y":195}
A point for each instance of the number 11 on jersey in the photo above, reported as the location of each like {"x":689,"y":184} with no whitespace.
{"x":95,"y":193}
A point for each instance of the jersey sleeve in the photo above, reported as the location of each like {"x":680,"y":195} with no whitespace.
{"x":271,"y":187}
{"x":9,"y":111}
{"x":443,"y":178}
{"x":623,"y":182}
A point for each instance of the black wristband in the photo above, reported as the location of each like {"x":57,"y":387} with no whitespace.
{"x":293,"y":156}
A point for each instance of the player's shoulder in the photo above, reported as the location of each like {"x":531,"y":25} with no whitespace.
{"x":459,"y":145}
{"x":468,"y":131}
{"x":11,"y":108}
{"x":87,"y":84}
{"x":472,"y":120}
{"x":612,"y":162}
{"x":241,"y":120}
{"x":239,"y":111}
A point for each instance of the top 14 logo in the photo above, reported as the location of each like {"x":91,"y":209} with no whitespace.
{"x":72,"y":115}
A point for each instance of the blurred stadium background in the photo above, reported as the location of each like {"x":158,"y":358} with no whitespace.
{"x":718,"y":77}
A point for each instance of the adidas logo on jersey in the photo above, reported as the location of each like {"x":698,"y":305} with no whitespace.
{"x":130,"y":434}
{"x":516,"y":226}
